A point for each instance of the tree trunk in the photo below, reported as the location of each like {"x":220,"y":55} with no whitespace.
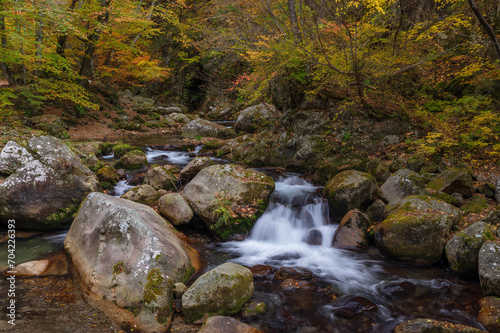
{"x":486,"y":26}
{"x":61,"y":40}
{"x":292,"y":16}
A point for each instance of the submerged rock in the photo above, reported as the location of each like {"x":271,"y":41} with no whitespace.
{"x":430,"y":325}
{"x":352,"y":233}
{"x":44,"y":193}
{"x":416,"y":229}
{"x":127,"y":254}
{"x":489,"y":268}
{"x":350,"y":189}
{"x":206,"y":128}
{"x":175,"y":208}
{"x":223,"y":291}
{"x":256,"y":118}
{"x":229,"y":198}
{"x":353,"y":306}
{"x":402,"y":184}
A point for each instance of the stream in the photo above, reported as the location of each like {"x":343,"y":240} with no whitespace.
{"x":349,"y":291}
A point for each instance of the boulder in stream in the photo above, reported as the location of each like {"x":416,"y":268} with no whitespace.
{"x":229,"y":198}
{"x":175,"y":208}
{"x":489,"y":268}
{"x":125,"y":253}
{"x":45,"y":190}
{"x":144,"y":194}
{"x":132,"y":160}
{"x":223,"y":291}
{"x":402,"y":184}
{"x":416,"y":229}
{"x":352,"y":233}
{"x":206,"y":128}
{"x":196,"y":165}
{"x":256,"y":118}
{"x":108,"y":174}
{"x":160,"y":178}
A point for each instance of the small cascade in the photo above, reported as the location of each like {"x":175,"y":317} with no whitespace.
{"x":121,"y":187}
{"x":178,"y":158}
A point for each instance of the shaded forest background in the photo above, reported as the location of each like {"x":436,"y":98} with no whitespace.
{"x":434,"y":64}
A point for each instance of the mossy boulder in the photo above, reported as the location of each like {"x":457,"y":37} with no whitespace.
{"x":256,"y":118}
{"x":349,"y":190}
{"x":91,"y":162}
{"x":475,"y":205}
{"x":107,"y":174}
{"x":121,"y":149}
{"x":13,"y":157}
{"x":424,"y":325}
{"x":352,"y":233}
{"x":489,"y":313}
{"x":453,"y":181}
{"x":44,"y":192}
{"x":229,"y":198}
{"x":144,"y":194}
{"x":135,"y":159}
{"x":221,"y":291}
{"x":416,"y":229}
{"x":175,"y":208}
{"x":160,"y":178}
{"x":126,"y":254}
{"x":403,"y":183}
{"x":206,"y":128}
{"x":462,"y":250}
{"x":196,"y":165}
{"x":330,"y":167}
{"x":180,"y":118}
{"x":489,"y":268}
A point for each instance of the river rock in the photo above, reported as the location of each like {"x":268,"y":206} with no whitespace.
{"x":127,"y":254}
{"x":223,"y":291}
{"x":134,"y":159}
{"x":353,"y":306}
{"x":489,"y":313}
{"x":463,"y":248}
{"x":228,"y":198}
{"x":297,"y":285}
{"x":253,"y":309}
{"x":206,"y":128}
{"x":489,"y":268}
{"x":107,"y":174}
{"x":377,"y":211}
{"x":160,"y":178}
{"x":313,"y":237}
{"x":180,"y":118}
{"x":256,"y":118}
{"x":45,"y":192}
{"x":350,"y":189}
{"x":31,"y":268}
{"x":402,"y":184}
{"x":196,"y":165}
{"x":175,"y":208}
{"x":352,"y":233}
{"x":422,"y":325}
{"x":145,"y":194}
{"x":296,"y":273}
{"x":222,"y":324}
{"x":453,"y":181}
{"x":92,"y":162}
{"x":13,"y":157}
{"x":167,"y":110}
{"x":416,"y":229}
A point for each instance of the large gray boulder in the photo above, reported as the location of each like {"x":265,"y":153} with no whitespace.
{"x":160,"y":178}
{"x":453,"y":181}
{"x":349,"y":190}
{"x":402,"y":184}
{"x":416,"y":229}
{"x":196,"y":165}
{"x":256,"y":117}
{"x":229,"y":198}
{"x":175,"y":208}
{"x":222,"y":291}
{"x":127,"y":254}
{"x":13,"y":157}
{"x":489,"y":268}
{"x":206,"y":128}
{"x":44,"y":193}
{"x":462,"y":250}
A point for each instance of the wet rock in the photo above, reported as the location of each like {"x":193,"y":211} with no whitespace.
{"x":489,"y":313}
{"x":132,"y":160}
{"x":377,"y":211}
{"x":297,"y":285}
{"x":160,"y":178}
{"x":353,"y":306}
{"x":253,"y":309}
{"x":122,"y":174}
{"x":489,"y":268}
{"x":463,"y":248}
{"x":256,"y":118}
{"x":430,"y":325}
{"x":13,"y":157}
{"x":175,"y":209}
{"x":295,"y":273}
{"x":53,"y":264}
{"x":262,"y":271}
{"x":219,"y":324}
{"x":205,"y":128}
{"x":144,"y":194}
{"x":223,"y":290}
{"x":236,"y":195}
{"x":348,"y":190}
{"x":416,"y":229}
{"x":313,"y":237}
{"x":402,"y":184}
{"x":453,"y":180}
{"x":196,"y":165}
{"x":107,"y":174}
{"x":127,"y":254}
{"x":31,"y":268}
{"x":352,"y":233}
{"x":45,"y":192}
{"x":403,"y":290}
